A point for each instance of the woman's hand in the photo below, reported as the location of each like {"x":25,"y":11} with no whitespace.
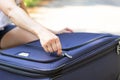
{"x":50,"y":42}
{"x":65,"y":30}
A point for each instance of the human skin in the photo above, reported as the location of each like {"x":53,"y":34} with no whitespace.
{"x":19,"y":16}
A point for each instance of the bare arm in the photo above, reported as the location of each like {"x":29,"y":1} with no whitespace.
{"x":20,"y":17}
{"x":66,"y":30}
{"x":49,"y":41}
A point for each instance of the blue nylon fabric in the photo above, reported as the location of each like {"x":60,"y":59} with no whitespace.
{"x":49,"y":63}
{"x":68,"y":40}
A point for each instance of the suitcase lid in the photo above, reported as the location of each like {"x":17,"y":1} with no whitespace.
{"x":33,"y":58}
{"x":34,"y":51}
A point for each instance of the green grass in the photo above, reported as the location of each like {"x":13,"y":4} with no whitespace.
{"x":31,"y":3}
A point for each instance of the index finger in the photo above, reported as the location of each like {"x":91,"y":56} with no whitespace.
{"x":59,"y":47}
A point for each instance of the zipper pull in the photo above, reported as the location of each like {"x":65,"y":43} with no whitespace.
{"x":67,"y":55}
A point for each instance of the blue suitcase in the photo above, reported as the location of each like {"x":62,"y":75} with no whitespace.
{"x":86,"y":56}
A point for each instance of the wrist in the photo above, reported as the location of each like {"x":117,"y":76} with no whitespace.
{"x":41,"y":32}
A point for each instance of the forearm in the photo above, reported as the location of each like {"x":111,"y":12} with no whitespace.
{"x":21,"y":19}
{"x":24,"y":8}
{"x":55,"y":32}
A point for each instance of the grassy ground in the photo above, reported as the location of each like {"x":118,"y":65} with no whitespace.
{"x":32,"y":3}
{"x":37,"y":5}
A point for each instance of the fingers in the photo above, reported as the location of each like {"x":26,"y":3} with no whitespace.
{"x":53,"y":45}
{"x":65,"y":30}
{"x":68,"y":30}
{"x":49,"y":48}
{"x":59,"y":48}
{"x":45,"y":48}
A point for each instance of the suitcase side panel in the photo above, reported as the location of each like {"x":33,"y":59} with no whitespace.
{"x":4,"y":75}
{"x":104,"y":68}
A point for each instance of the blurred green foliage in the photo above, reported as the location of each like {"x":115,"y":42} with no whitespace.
{"x":32,"y":3}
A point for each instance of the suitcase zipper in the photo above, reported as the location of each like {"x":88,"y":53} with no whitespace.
{"x":66,"y":55}
{"x":36,"y":71}
{"x":67,"y":70}
{"x":92,"y":57}
{"x":58,"y":58}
